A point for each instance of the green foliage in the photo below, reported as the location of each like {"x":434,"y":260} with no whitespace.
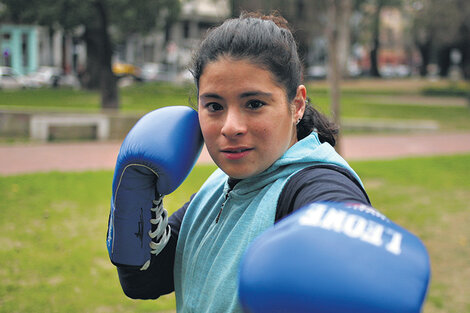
{"x":451,"y":90}
{"x":142,"y":16}
{"x":439,"y":21}
{"x":128,"y":16}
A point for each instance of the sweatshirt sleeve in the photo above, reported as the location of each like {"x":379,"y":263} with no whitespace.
{"x":157,"y":280}
{"x":319,"y":183}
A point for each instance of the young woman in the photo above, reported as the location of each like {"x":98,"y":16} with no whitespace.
{"x":274,"y":153}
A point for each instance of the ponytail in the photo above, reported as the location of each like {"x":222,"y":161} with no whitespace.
{"x":313,"y":120}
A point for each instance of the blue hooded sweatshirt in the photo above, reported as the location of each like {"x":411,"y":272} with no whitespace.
{"x":220,"y":223}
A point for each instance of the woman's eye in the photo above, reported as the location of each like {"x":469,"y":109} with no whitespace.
{"x":214,"y":107}
{"x":255,"y":104}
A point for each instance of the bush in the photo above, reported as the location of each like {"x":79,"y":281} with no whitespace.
{"x":452,"y":90}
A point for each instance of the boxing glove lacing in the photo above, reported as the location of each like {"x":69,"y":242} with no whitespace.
{"x":161,"y":234}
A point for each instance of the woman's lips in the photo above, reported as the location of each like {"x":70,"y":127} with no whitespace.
{"x":236,"y":153}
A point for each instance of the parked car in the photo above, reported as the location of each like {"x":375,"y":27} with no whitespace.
{"x":316,"y":72}
{"x":9,"y":79}
{"x":124,"y":69}
{"x":390,"y":71}
{"x":155,"y":72}
{"x":321,"y":71}
{"x":44,"y":76}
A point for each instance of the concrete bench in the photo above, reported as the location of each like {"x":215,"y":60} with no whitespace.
{"x":39,"y":124}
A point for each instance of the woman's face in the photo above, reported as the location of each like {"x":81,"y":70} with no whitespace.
{"x":245,"y":117}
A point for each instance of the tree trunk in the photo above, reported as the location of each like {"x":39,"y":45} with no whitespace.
{"x":64,"y":53}
{"x":108,"y":81}
{"x":443,"y":60}
{"x":98,"y":74}
{"x":334,"y":70}
{"x":234,"y":8}
{"x":374,"y":52}
{"x":465,"y":50}
{"x":51,"y":46}
{"x":425,"y":52}
{"x":90,"y":78}
{"x":344,"y":43}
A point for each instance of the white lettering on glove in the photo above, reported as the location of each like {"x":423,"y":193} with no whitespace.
{"x":353,"y":226}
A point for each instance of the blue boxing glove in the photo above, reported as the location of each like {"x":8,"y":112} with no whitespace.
{"x":334,"y":257}
{"x":156,"y":156}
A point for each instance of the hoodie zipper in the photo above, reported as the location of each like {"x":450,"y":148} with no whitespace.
{"x":222,"y":206}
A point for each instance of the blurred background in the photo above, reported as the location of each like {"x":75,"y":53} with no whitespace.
{"x":75,"y":76}
{"x":103,"y":46}
{"x":91,"y":43}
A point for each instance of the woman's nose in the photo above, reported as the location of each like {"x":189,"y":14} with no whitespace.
{"x":234,"y":124}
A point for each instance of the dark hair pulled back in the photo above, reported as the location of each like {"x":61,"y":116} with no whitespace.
{"x":265,"y":41}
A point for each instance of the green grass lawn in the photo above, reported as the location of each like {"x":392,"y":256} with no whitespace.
{"x":406,"y":100}
{"x":53,"y":230}
{"x":138,"y":98}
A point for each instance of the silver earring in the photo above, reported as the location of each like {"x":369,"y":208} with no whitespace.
{"x":298,"y":121}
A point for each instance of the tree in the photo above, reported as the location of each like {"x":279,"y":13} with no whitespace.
{"x":97,"y":17}
{"x":438,"y":27}
{"x":373,"y":10}
{"x":306,"y":18}
{"x":339,"y":13}
{"x":374,"y":51}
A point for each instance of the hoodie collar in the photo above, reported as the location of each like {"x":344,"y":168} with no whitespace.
{"x":295,"y":156}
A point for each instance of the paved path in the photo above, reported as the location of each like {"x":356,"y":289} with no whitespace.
{"x":26,"y":158}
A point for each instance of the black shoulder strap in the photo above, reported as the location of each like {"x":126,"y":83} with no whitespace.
{"x":282,"y":211}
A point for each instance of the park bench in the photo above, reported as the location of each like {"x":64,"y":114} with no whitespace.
{"x":39,"y":125}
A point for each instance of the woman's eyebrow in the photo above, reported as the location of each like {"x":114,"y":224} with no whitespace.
{"x":210,"y":95}
{"x":246,"y":94}
{"x":255,"y":93}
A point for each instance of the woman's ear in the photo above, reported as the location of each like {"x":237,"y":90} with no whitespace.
{"x":299,"y":103}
